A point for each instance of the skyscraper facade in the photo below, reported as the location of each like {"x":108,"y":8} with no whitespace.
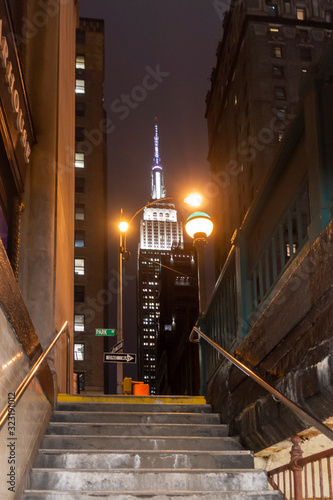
{"x":160,"y":234}
{"x":90,"y":207}
{"x":265,"y":53}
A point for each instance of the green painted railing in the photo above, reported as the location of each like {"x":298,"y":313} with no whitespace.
{"x":282,"y":247}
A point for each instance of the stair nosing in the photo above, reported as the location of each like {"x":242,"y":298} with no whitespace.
{"x":122,"y":451}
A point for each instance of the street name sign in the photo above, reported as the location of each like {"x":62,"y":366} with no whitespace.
{"x":105,"y":332}
{"x":119,"y":357}
{"x":117,"y":347}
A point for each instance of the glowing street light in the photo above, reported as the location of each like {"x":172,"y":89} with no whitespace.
{"x":199,"y":226}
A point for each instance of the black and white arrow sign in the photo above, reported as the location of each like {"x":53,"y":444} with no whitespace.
{"x":119,"y":357}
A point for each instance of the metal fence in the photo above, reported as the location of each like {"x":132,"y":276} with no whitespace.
{"x":307,"y":478}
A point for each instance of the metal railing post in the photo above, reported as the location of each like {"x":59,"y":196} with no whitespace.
{"x":295,"y":455}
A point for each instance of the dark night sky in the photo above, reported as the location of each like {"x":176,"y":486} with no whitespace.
{"x":180,"y":38}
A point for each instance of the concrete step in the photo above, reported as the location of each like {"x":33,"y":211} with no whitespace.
{"x":60,"y":459}
{"x":148,"y":480}
{"x":84,"y":442}
{"x":153,"y":495}
{"x":105,"y":429}
{"x":136,"y":417}
{"x":134,"y":407}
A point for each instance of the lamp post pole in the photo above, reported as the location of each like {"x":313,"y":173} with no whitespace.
{"x":199,"y":243}
{"x":120,"y":306}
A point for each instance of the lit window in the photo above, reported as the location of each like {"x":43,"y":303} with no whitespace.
{"x":78,"y":352}
{"x":79,"y":160}
{"x":277,"y":51}
{"x":80,"y":62}
{"x":300,"y":14}
{"x":274,"y":30}
{"x":79,"y":266}
{"x":78,"y":322}
{"x":79,"y":211}
{"x":79,"y":238}
{"x":80,"y":86}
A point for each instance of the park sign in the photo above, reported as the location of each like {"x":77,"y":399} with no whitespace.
{"x":105,"y":332}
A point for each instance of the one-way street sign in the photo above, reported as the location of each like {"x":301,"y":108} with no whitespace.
{"x":119,"y":357}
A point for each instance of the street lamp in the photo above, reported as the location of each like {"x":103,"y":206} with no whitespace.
{"x":199,"y":226}
{"x":194,"y":200}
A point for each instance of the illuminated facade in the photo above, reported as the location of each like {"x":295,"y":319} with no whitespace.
{"x":160,"y":231}
{"x":90,"y":249}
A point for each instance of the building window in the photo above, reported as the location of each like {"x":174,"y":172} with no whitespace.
{"x":300,"y":14}
{"x":329,"y":17}
{"x":279,"y":93}
{"x":278,"y":71}
{"x":79,"y":238}
{"x":79,"y":184}
{"x":78,"y":322}
{"x":272,"y":10}
{"x":305,"y":54}
{"x":80,"y":108}
{"x":281,"y":113}
{"x":80,"y":37}
{"x":80,"y":86}
{"x":79,"y":135}
{"x":79,"y":266}
{"x":78,"y":352}
{"x":79,"y":211}
{"x":277,"y":51}
{"x":80,"y":62}
{"x":79,"y":160}
{"x":78,"y":293}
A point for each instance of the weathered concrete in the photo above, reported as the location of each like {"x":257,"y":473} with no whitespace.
{"x":290,"y":346}
{"x":127,"y":465}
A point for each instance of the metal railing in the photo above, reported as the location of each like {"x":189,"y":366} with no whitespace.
{"x":221,"y":316}
{"x":33,"y":371}
{"x":313,"y":421}
{"x":286,"y":241}
{"x":304,"y":478}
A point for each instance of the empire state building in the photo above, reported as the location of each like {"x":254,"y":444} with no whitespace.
{"x":160,"y":232}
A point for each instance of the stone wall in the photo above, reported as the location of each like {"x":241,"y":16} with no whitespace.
{"x":289,"y":346}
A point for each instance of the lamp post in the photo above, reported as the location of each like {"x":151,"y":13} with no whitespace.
{"x":199,"y":226}
{"x":194,"y":200}
{"x":123,"y":226}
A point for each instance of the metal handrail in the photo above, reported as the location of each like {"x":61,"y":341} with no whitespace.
{"x":26,"y":381}
{"x":313,"y":421}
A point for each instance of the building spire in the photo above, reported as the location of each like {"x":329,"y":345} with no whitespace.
{"x":157,"y":181}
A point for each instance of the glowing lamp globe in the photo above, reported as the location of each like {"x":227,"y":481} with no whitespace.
{"x":123,"y":226}
{"x":199,"y":223}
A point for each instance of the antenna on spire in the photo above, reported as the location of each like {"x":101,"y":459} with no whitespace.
{"x":157,"y":158}
{"x":157,"y":182}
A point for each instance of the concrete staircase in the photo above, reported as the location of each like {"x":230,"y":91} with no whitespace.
{"x":156,"y":448}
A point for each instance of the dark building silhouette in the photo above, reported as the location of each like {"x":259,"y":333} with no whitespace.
{"x":177,"y":357}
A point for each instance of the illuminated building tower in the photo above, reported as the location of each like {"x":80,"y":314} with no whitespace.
{"x":160,"y":231}
{"x":90,"y":251}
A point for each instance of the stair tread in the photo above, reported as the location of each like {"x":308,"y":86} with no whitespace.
{"x":89,"y":451}
{"x":149,"y":471}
